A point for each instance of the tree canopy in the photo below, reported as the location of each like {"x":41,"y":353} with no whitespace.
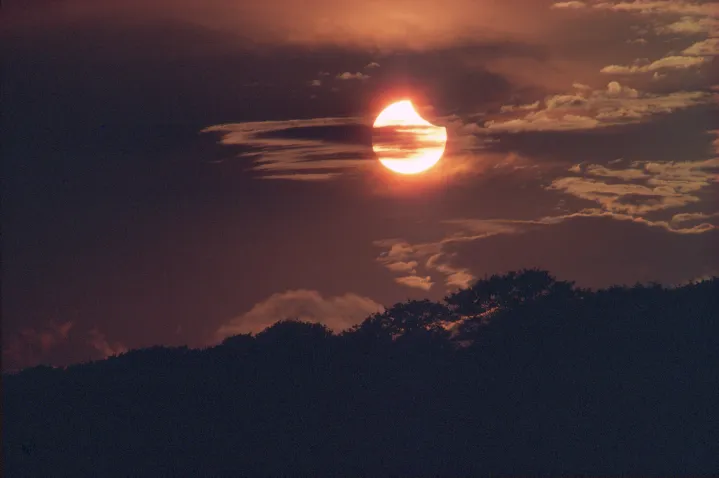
{"x":519,"y":374}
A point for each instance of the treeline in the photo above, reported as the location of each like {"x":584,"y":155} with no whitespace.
{"x":520,"y":374}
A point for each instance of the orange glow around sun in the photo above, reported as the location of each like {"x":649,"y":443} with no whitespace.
{"x":416,"y":144}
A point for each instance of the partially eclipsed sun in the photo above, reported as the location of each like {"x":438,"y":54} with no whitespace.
{"x":415,"y":144}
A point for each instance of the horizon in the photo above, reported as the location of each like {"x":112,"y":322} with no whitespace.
{"x":452,"y":326}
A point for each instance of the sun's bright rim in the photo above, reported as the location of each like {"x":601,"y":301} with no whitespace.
{"x":403,"y":114}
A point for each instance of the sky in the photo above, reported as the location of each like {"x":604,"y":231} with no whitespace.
{"x":176,"y":172}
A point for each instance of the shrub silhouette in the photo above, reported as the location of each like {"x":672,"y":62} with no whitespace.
{"x":520,"y":374}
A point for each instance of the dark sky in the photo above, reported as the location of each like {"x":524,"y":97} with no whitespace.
{"x":179,"y":172}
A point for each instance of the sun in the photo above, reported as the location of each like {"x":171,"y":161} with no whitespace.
{"x":405,"y":142}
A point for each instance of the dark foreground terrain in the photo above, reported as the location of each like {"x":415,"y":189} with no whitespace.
{"x":535,"y":377}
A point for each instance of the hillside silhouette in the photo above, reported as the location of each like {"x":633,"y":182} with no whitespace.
{"x":521,"y":374}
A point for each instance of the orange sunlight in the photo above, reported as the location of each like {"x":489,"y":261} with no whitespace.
{"x":427,"y":140}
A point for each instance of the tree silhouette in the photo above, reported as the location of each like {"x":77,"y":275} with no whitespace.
{"x":508,"y":290}
{"x":551,"y":380}
{"x":408,"y":317}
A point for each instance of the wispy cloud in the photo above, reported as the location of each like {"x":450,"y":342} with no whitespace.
{"x":647,"y":187}
{"x":434,"y":257}
{"x":441,"y":260}
{"x":99,"y":342}
{"x":32,"y":346}
{"x":338,"y":312}
{"x":708,"y":47}
{"x":401,"y":266}
{"x":692,"y":56}
{"x":589,"y":109}
{"x":525,"y":107}
{"x":645,"y":7}
{"x":660,"y":7}
{"x":275,"y":154}
{"x":352,"y":76}
{"x":666,"y":17}
{"x":667,"y":63}
{"x":574,"y":4}
{"x":690,"y":26}
{"x":301,"y":176}
{"x":417,"y":282}
{"x":322,"y":149}
{"x":43,"y":344}
{"x":648,"y":193}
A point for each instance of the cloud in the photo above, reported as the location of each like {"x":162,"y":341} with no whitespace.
{"x":352,"y":76}
{"x":585,"y":109}
{"x":661,"y":185}
{"x":692,"y":217}
{"x":372,"y":65}
{"x":521,"y":226}
{"x":316,"y":83}
{"x":99,"y":342}
{"x":455,"y":277}
{"x":660,"y":224}
{"x":661,"y":7}
{"x":300,"y":176}
{"x":434,"y":254}
{"x":626,"y":174}
{"x":541,"y":121}
{"x":697,"y":279}
{"x":338,"y":312}
{"x":666,"y":63}
{"x":30,"y":347}
{"x":417,"y":282}
{"x":52,"y":340}
{"x":626,"y":198}
{"x":708,"y":47}
{"x":402,"y":257}
{"x":323,"y":149}
{"x":647,"y":193}
{"x":279,"y":150}
{"x":690,"y":26}
{"x":572,"y":5}
{"x":531,"y":106}
{"x":694,"y":18}
{"x":401,"y":266}
{"x":669,"y":226}
{"x":440,"y":258}
{"x":403,"y":24}
{"x":715,"y":142}
{"x":686,"y":176}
